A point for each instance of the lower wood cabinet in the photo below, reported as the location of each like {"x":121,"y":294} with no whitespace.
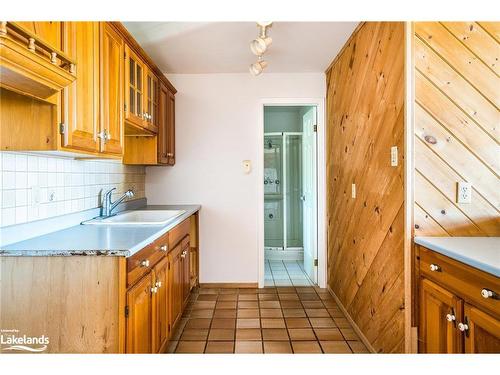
{"x":175,"y":282}
{"x":139,"y":316}
{"x":459,"y":307}
{"x":160,"y":308}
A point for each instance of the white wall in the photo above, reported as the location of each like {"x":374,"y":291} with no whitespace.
{"x":216,"y":129}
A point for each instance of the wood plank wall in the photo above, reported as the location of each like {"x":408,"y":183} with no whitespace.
{"x":457,"y":125}
{"x":365,"y":110}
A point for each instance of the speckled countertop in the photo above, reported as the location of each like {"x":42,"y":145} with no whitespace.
{"x":98,"y":239}
{"x":480,"y":252}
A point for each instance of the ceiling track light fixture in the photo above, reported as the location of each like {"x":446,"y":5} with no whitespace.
{"x":260,"y":45}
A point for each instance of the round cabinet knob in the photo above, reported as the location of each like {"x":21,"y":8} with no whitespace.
{"x":463,"y":327}
{"x":164,"y":248}
{"x":154,"y":289}
{"x":145,"y":263}
{"x":158,"y":284}
{"x":486,"y":293}
{"x":435,"y":268}
{"x":450,"y":317}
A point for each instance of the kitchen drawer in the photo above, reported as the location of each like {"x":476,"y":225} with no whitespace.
{"x":179,"y":232}
{"x":464,"y":280}
{"x":144,"y":260}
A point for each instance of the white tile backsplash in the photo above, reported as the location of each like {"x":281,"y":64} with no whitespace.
{"x":64,"y":185}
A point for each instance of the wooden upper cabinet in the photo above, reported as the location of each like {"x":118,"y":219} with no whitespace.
{"x":111,"y":90}
{"x":482,"y":331}
{"x":134,"y":88}
{"x":151,"y":101}
{"x":139,"y":320}
{"x":166,"y":127}
{"x":161,"y":326}
{"x":80,"y":104}
{"x":48,"y":31}
{"x":440,"y":312}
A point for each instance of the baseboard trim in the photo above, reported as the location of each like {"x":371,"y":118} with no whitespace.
{"x":229,"y":285}
{"x":352,"y":322}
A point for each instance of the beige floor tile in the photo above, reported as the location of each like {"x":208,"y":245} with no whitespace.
{"x":224,"y":323}
{"x":342,"y":322}
{"x":291,"y":305}
{"x":294,"y":313}
{"x":336,"y":313}
{"x":248,"y":304}
{"x":322,"y":322}
{"x":332,"y":347}
{"x":201,"y":314}
{"x":247,"y":323}
{"x":306,"y":347}
{"x":247,"y":297}
{"x":228,"y":291}
{"x":289,"y":297}
{"x":271,"y":313}
{"x":317,"y":313}
{"x":190,"y":347}
{"x":268,"y":297}
{"x":221,"y":334}
{"x":248,"y":313}
{"x":248,"y":334}
{"x":297,"y":322}
{"x":208,"y":291}
{"x":194,"y":334}
{"x":313,"y":304}
{"x":248,"y":347}
{"x":277,"y":347}
{"x":222,"y":313}
{"x":228,"y":297}
{"x":330,"y":304}
{"x":309,"y":297}
{"x":270,"y":305}
{"x":358,"y":347}
{"x":272,"y":323}
{"x":207,"y":297}
{"x":305,"y":289}
{"x":299,"y":334}
{"x":328,"y":334}
{"x":286,"y":289}
{"x":226,"y":305}
{"x":219,"y":347}
{"x":203,"y":305}
{"x":349,"y":334}
{"x":198,"y":323}
{"x":275,"y":334}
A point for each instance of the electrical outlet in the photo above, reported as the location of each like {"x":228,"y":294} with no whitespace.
{"x":394,"y":156}
{"x":353,"y":191}
{"x":464,"y":192}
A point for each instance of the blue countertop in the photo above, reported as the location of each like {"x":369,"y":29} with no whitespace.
{"x":98,"y":239}
{"x":480,"y":252}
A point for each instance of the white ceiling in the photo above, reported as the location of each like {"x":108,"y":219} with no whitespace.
{"x":224,"y":47}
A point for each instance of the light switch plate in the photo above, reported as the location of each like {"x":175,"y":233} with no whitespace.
{"x":464,"y":192}
{"x":394,"y":156}
{"x":353,"y":191}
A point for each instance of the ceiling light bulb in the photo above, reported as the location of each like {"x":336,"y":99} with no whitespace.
{"x":258,"y":67}
{"x":259,"y":45}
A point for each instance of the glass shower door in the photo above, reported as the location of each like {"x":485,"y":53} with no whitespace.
{"x":273,"y":194}
{"x":293,"y":190}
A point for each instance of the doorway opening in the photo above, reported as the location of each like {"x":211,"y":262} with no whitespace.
{"x":290,"y":196}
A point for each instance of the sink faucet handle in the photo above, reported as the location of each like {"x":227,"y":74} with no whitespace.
{"x":129,"y":193}
{"x":108,"y":193}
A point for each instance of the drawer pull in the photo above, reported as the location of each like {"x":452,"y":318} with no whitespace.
{"x":463,"y":327}
{"x":164,"y":248}
{"x":145,"y":263}
{"x":435,"y":268}
{"x":450,"y":317}
{"x":154,"y":289}
{"x":158,"y":284}
{"x":486,"y":293}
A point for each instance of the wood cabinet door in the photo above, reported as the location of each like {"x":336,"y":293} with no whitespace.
{"x":48,"y":31}
{"x":151,"y":100}
{"x":170,"y":128}
{"x":175,"y":285}
{"x":440,"y":312}
{"x":111,"y":90}
{"x":139,"y":320}
{"x":160,"y":306}
{"x":134,"y":88}
{"x":80,"y":108}
{"x":162,"y":126}
{"x":482,"y":331}
{"x":186,"y":274}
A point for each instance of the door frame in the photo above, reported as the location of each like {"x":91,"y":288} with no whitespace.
{"x":319,"y":103}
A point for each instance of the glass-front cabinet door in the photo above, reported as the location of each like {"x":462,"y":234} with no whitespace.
{"x":134,"y":88}
{"x":151,"y":101}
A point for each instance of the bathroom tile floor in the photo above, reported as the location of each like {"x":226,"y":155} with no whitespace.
{"x":274,"y":319}
{"x":285,"y":273}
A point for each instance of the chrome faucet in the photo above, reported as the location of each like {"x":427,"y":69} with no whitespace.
{"x":108,"y":206}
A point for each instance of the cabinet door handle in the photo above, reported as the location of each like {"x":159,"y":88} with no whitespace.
{"x":184,"y":253}
{"x":435,"y":267}
{"x":450,"y":317}
{"x":164,"y":248}
{"x":154,"y":290}
{"x":145,"y":263}
{"x":169,"y":154}
{"x":158,"y":284}
{"x":463,"y":327}
{"x":486,"y":293}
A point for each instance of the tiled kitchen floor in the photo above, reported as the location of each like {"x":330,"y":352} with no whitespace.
{"x":302,"y":319}
{"x":285,"y":273}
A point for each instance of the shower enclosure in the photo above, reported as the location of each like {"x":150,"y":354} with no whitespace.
{"x":283,"y":195}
